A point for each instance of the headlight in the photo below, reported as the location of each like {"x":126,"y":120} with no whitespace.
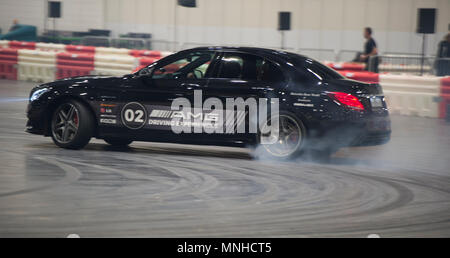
{"x":37,"y":94}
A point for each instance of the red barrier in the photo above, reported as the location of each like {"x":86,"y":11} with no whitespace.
{"x":368,"y":77}
{"x":147,"y":61}
{"x":145,"y":53}
{"x":445,"y":95}
{"x":70,"y":65}
{"x":22,"y":45}
{"x":80,"y":49}
{"x":356,"y":67}
{"x":8,"y":63}
{"x":143,"y":62}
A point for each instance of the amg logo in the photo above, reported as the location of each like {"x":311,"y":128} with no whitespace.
{"x":211,"y":117}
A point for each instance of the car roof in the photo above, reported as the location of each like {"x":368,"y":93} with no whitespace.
{"x":278,"y":53}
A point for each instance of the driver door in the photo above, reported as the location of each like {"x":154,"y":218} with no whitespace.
{"x":175,"y":77}
{"x":183,"y":74}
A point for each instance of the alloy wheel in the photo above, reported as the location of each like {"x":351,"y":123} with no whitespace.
{"x":289,"y":138}
{"x":65,"y":123}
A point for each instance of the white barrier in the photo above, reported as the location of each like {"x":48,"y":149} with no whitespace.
{"x":411,"y":95}
{"x":399,"y":68}
{"x":39,"y":64}
{"x":50,"y":47}
{"x":36,"y":66}
{"x":116,"y":65}
{"x":112,"y":51}
{"x":4,"y":43}
{"x":166,"y":53}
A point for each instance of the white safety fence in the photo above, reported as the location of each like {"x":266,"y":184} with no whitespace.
{"x":36,"y":66}
{"x":4,"y":43}
{"x":112,"y":51}
{"x":402,"y":68}
{"x":406,"y":94}
{"x":51,"y":47}
{"x":411,"y":95}
{"x":116,"y":65}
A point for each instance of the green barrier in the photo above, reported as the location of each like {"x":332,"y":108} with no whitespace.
{"x":61,"y":40}
{"x":22,"y":33}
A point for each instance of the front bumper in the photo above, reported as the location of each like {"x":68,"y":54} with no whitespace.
{"x":36,"y":120}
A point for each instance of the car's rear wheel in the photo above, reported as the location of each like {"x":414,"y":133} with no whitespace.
{"x":72,"y":125}
{"x":118,"y":142}
{"x":285,"y":143}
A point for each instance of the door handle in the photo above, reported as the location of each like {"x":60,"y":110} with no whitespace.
{"x":190,"y":86}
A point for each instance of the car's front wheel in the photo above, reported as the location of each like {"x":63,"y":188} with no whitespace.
{"x":72,"y":125}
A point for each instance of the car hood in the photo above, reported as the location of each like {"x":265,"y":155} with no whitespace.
{"x":86,"y":80}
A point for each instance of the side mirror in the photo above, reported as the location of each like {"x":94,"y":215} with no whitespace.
{"x":145,"y":75}
{"x":147,"y":71}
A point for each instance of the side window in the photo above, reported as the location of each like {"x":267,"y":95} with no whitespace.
{"x":231,"y":66}
{"x":269,"y":72}
{"x":193,"y":66}
{"x":248,"y":67}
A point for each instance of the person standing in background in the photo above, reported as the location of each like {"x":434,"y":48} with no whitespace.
{"x":15,"y":25}
{"x":370,"y":49}
{"x":443,"y":55}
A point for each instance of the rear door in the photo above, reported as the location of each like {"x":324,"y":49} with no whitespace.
{"x":247,"y":76}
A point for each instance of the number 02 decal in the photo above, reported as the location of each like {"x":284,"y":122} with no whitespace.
{"x":134,"y":115}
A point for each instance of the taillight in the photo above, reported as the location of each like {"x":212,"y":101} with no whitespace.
{"x":347,"y":100}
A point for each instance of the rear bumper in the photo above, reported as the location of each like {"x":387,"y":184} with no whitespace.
{"x":364,"y":131}
{"x":375,"y":131}
{"x":372,"y":139}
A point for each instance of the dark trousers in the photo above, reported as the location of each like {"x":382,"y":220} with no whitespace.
{"x":442,"y":67}
{"x":373,"y":66}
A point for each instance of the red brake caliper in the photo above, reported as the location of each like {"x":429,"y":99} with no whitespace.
{"x":75,"y":119}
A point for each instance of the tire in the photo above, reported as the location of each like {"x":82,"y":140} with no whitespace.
{"x":72,"y":125}
{"x":118,"y":142}
{"x":291,"y":140}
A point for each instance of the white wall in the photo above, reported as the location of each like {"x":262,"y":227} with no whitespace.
{"x":77,"y":15}
{"x":325,"y":24}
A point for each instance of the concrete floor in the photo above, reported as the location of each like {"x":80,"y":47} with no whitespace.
{"x":401,"y":189}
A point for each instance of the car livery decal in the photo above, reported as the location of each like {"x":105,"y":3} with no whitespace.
{"x":107,"y":113}
{"x":135,"y":116}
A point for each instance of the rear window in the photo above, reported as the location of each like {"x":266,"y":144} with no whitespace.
{"x":316,"y":70}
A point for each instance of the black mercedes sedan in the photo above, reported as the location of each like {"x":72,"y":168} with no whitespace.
{"x":185,"y":98}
